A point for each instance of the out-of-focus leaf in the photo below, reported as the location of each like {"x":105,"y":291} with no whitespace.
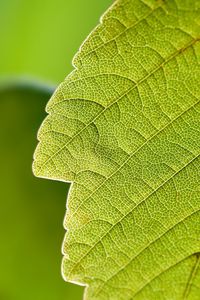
{"x":31,"y":210}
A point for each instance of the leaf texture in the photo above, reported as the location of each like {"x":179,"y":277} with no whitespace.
{"x":124,"y":128}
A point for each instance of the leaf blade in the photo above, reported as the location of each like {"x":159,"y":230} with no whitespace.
{"x":133,"y":107}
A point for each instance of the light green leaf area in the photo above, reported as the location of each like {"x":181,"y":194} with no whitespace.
{"x":124,"y":127}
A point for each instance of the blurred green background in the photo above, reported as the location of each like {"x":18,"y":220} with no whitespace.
{"x":38,"y":42}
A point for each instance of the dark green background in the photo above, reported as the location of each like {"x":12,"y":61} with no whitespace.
{"x":38,"y":42}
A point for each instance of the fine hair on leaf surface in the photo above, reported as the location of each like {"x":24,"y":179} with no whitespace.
{"x":124,"y":128}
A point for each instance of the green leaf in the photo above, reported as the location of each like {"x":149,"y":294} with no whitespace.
{"x":124,"y":128}
{"x":31,"y":210}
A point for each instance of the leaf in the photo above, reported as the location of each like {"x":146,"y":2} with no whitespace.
{"x":124,"y":129}
{"x":30,"y":236}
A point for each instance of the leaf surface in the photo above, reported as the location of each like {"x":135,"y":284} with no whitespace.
{"x":124,"y":129}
